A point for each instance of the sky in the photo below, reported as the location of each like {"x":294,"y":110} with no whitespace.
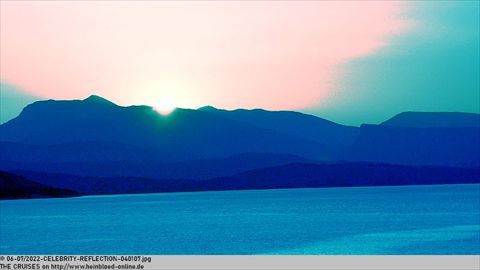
{"x":351,"y":62}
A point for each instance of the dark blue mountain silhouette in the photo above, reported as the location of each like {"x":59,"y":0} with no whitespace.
{"x":458,"y":146}
{"x":94,"y":144}
{"x":17,"y":187}
{"x":182,"y":135}
{"x":434,"y":120}
{"x":293,"y":123}
{"x":310,"y":175}
{"x":88,"y":185}
{"x":294,"y":175}
{"x":55,"y":159}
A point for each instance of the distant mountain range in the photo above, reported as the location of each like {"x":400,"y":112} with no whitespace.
{"x":53,"y":159}
{"x":293,"y":175}
{"x":434,"y":120}
{"x":95,"y":138}
{"x":439,"y":146}
{"x":182,"y":135}
{"x":297,"y":124}
{"x":310,"y":175}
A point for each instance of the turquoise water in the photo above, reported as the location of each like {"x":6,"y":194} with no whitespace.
{"x":367,"y":220}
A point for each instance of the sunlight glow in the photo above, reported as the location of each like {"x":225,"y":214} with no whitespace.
{"x":194,"y":53}
{"x":164,"y":107}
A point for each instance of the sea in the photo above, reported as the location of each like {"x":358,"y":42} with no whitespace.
{"x":397,"y":220}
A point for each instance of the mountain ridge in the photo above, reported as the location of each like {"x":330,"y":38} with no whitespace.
{"x":95,"y":137}
{"x":184,"y":130}
{"x":293,"y":175}
{"x":434,"y":119}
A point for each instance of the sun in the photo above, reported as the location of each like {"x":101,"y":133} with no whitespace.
{"x":164,"y":107}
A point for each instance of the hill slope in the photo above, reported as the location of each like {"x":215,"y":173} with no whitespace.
{"x":17,"y":187}
{"x":310,"y":175}
{"x":294,"y":123}
{"x":417,"y":146}
{"x":434,"y":120}
{"x":295,"y":175}
{"x":183,"y":134}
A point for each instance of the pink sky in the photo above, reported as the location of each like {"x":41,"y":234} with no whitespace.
{"x":274,"y":55}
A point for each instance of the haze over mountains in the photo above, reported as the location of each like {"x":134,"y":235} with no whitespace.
{"x":96,"y":138}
